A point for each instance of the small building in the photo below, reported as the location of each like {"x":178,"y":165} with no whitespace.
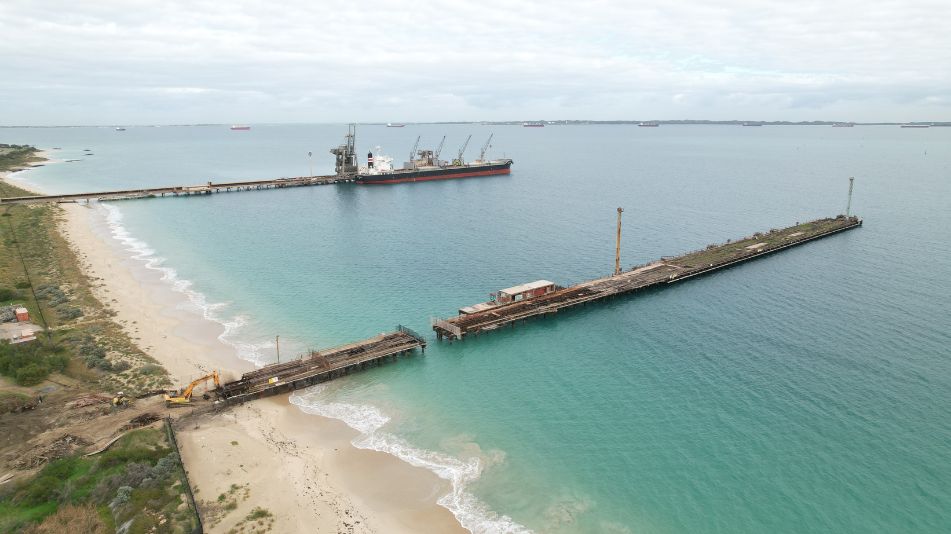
{"x":512,"y":294}
{"x":525,"y":291}
{"x":25,"y":335}
{"x":23,"y":315}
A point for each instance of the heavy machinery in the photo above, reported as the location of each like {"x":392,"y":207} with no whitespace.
{"x":122,"y":401}
{"x":184,"y":397}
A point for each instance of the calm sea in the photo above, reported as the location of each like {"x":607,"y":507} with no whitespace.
{"x":804,"y":392}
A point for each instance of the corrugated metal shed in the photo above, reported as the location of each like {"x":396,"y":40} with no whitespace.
{"x":518,"y":290}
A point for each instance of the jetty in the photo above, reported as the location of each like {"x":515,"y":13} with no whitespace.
{"x":182,"y":190}
{"x":540,"y":299}
{"x":321,"y":366}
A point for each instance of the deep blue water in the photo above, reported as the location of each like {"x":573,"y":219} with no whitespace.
{"x":805,"y":392}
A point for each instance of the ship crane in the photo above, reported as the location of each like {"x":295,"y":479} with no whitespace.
{"x":412,"y":153}
{"x":439,"y":150}
{"x":459,"y":160}
{"x":485,"y":147}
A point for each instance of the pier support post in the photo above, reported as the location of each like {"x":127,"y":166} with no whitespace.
{"x":848,"y":207}
{"x":617,"y":248}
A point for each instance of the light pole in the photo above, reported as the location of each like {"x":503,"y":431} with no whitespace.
{"x":311,"y":160}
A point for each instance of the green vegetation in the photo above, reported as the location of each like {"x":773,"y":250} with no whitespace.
{"x":15,"y":157}
{"x":139,"y":480}
{"x":30,"y":363}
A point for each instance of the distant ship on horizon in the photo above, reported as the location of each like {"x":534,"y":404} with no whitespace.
{"x":533,"y":124}
{"x":649,"y":124}
{"x":843,"y":125}
{"x":240,"y":127}
{"x":394,"y":125}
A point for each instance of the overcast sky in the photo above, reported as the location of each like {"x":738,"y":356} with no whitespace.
{"x":195,"y":61}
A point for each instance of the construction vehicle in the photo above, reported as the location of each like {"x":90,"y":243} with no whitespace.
{"x":122,"y":401}
{"x":184,"y":397}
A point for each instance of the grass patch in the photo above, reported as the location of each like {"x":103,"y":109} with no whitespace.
{"x":138,"y":480}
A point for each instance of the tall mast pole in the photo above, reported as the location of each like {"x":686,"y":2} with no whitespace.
{"x":848,"y":207}
{"x":617,"y":248}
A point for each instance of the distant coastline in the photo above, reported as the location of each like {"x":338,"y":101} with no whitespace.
{"x":553,"y":122}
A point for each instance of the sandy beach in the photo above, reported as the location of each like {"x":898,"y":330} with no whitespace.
{"x":301,"y":468}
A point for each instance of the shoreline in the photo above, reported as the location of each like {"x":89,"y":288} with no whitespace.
{"x":301,"y":467}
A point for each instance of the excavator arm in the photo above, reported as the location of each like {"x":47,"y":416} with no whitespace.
{"x":186,"y":395}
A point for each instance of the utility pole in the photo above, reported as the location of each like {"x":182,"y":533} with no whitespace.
{"x":277,"y":342}
{"x":617,"y":248}
{"x":848,"y":207}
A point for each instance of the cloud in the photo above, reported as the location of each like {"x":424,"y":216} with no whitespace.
{"x":333,"y":61}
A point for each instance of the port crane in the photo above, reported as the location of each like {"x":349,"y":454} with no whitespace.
{"x":439,"y":150}
{"x":485,"y":147}
{"x":459,"y":160}
{"x":184,"y":397}
{"x":412,"y":153}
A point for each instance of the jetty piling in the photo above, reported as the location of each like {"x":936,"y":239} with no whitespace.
{"x":321,"y":365}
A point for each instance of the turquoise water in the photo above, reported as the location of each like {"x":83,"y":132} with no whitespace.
{"x":805,"y":392}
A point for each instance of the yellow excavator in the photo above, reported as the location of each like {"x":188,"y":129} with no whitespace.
{"x":184,"y":397}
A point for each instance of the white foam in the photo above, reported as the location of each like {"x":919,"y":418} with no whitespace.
{"x":211,"y":311}
{"x":472,"y":513}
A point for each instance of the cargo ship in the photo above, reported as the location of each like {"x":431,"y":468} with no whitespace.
{"x":240,"y":127}
{"x":424,"y":165}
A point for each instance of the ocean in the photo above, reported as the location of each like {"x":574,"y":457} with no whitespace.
{"x":808,"y":391}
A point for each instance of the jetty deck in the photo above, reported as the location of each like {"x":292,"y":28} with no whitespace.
{"x":321,"y":366}
{"x":180,"y":190}
{"x":659,"y":273}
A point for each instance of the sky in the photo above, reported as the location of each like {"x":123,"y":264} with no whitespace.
{"x":255,"y":61}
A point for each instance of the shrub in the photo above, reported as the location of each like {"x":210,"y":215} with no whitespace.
{"x":151,"y":369}
{"x":89,"y":349}
{"x":57,"y":362}
{"x":43,"y":488}
{"x":22,"y":285}
{"x":7,"y":294}
{"x":66,"y":314}
{"x":32,"y":374}
{"x":118,"y":367}
{"x":258,"y":513}
{"x":122,"y":497}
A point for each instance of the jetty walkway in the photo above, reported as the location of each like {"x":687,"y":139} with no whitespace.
{"x":320,"y":366}
{"x":659,"y":273}
{"x":181,"y":190}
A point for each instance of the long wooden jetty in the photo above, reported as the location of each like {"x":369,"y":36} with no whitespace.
{"x":321,"y":366}
{"x":490,"y":316}
{"x":181,"y":190}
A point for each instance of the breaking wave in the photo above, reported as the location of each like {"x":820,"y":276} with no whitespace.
{"x":212,"y":311}
{"x":471,"y":512}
